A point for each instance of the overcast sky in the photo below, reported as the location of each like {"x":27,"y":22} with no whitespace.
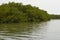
{"x":52,"y":6}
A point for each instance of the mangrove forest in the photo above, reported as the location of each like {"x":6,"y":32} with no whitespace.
{"x":17,"y":12}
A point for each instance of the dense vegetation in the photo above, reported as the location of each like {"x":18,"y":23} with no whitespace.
{"x":53,"y":16}
{"x":17,"y":12}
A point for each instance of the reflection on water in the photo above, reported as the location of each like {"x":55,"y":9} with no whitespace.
{"x":31,"y":31}
{"x":23,"y":31}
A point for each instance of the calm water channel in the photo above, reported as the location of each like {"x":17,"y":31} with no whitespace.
{"x":29,"y":31}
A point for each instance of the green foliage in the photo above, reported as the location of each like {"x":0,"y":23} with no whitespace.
{"x":53,"y":16}
{"x":17,"y":12}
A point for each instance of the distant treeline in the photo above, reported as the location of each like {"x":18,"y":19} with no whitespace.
{"x":53,"y":16}
{"x":17,"y":12}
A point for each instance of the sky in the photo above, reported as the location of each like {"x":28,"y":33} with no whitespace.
{"x":51,"y":6}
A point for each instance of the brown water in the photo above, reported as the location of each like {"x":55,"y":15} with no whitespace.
{"x":29,"y":31}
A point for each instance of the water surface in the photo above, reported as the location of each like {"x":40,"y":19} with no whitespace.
{"x":31,"y":31}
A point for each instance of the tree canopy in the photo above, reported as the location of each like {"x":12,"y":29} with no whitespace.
{"x":17,"y":12}
{"x":54,"y":16}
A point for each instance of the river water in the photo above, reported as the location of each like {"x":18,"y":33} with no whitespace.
{"x":43,"y":31}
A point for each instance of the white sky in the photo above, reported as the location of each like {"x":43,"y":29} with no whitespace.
{"x":52,"y":6}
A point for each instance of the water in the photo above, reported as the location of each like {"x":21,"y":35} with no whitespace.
{"x":31,"y":31}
